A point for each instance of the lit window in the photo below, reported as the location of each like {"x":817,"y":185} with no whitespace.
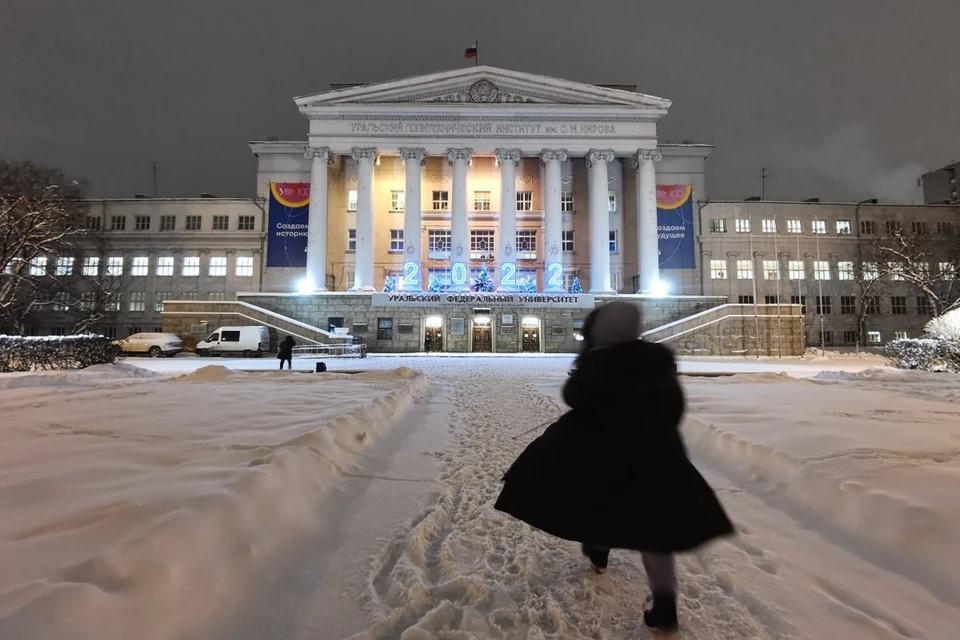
{"x":948,"y":270}
{"x":194,"y":223}
{"x":221,"y":223}
{"x":115,"y":266}
{"x":140,"y":266}
{"x":165,"y":266}
{"x":441,"y":277}
{"x":845,"y":271}
{"x":718,"y":225}
{"x":771,"y":270}
{"x":482,"y":243}
{"x":218,"y":266}
{"x":168,"y":223}
{"x":795,"y":267}
{"x":524,"y":201}
{"x":567,"y":240}
{"x":191,"y":266}
{"x":244,"y":268}
{"x":481,"y":201}
{"x":64,"y":266}
{"x":819,"y":227}
{"x":743,"y":225}
{"x":398,"y":200}
{"x":566,"y":201}
{"x":352,"y":200}
{"x":895,"y":269}
{"x":396,"y":240}
{"x":844,"y":228}
{"x":141,"y":223}
{"x":873,"y":337}
{"x":91,"y":266}
{"x":351,"y":239}
{"x":821,"y":270}
{"x":246,"y":223}
{"x":138,"y":301}
{"x":613,"y":241}
{"x":900,"y":335}
{"x":611,"y":201}
{"x":441,"y":200}
{"x":745,"y":269}
{"x":439,"y":242}
{"x":526,"y":244}
{"x":769,"y":226}
{"x":718,"y":269}
{"x":870,"y":271}
{"x":794,"y":226}
{"x":38,"y":266}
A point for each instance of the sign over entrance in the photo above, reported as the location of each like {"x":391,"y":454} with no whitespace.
{"x":489,"y":300}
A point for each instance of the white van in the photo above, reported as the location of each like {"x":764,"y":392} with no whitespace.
{"x":245,"y":341}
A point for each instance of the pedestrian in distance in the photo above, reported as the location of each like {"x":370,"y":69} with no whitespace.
{"x":285,"y":352}
{"x":613,"y":472}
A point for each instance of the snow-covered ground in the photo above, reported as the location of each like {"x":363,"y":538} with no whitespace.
{"x":842,"y":479}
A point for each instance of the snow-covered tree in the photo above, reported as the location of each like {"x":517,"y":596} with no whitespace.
{"x":945,"y":327}
{"x":927,"y":262}
{"x":389,"y":285}
{"x":483,"y":282}
{"x":528,"y":284}
{"x":436,"y":285}
{"x":576,"y":287}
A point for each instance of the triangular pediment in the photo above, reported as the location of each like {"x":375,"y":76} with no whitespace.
{"x":483,"y":85}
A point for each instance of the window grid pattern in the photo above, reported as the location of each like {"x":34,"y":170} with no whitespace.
{"x":482,"y":243}
{"x":526,"y":244}
{"x":439,"y":242}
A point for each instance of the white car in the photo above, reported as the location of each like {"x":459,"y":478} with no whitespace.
{"x":151,"y":344}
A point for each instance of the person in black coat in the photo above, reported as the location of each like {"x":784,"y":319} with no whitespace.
{"x":613,"y":473}
{"x":285,"y":352}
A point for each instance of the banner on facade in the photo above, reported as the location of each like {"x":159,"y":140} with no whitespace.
{"x":485,"y":300}
{"x":289,"y":214}
{"x":675,"y":226}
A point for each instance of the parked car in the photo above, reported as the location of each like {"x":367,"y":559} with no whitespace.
{"x":246,"y":341}
{"x":151,"y":344}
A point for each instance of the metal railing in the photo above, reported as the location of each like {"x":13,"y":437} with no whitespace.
{"x":330,"y":351}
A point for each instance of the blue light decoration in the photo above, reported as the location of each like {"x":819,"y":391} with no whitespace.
{"x":388,"y":285}
{"x":576,"y":287}
{"x":483,"y":283}
{"x":436,"y":285}
{"x":528,"y":284}
{"x":508,"y":276}
{"x":458,"y":275}
{"x":411,"y":277}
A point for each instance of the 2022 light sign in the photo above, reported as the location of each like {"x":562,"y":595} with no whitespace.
{"x":411,"y":277}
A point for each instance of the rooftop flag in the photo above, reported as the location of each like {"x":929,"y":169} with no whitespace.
{"x":471,"y":52}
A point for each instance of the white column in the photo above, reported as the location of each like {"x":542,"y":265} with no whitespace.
{"x":648,"y":251}
{"x":597,"y":160}
{"x":363,"y":274}
{"x":509,"y":159}
{"x":411,"y":279}
{"x":552,"y":222}
{"x":316,"y":278}
{"x":459,"y":227}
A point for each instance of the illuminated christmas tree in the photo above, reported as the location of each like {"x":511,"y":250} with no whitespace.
{"x":483,"y":283}
{"x":528,"y":284}
{"x":389,"y":285}
{"x":576,"y":287}
{"x":436,"y":285}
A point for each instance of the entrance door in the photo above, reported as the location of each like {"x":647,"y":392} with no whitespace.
{"x":531,"y":339}
{"x":433,"y":339}
{"x":482,"y":342}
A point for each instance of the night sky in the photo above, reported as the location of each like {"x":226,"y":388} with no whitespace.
{"x":840,"y":99}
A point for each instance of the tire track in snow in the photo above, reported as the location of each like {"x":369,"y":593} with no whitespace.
{"x":459,"y":569}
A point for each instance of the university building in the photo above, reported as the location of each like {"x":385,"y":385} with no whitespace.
{"x":408,"y":194}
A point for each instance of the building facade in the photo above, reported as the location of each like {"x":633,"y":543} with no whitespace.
{"x":384,"y":220}
{"x":940,"y":186}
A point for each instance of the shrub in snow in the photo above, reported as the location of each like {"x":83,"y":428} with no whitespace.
{"x":18,"y":353}
{"x":923,"y":355}
{"x":946,"y":327}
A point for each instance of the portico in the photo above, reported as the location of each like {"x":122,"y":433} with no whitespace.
{"x":498,"y":119}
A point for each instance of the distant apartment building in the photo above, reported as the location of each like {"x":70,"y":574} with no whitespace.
{"x":940,"y":186}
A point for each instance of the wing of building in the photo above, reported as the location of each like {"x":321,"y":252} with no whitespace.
{"x":463,"y":210}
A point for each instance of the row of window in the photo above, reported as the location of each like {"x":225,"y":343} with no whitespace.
{"x":819,"y":227}
{"x":169,"y":223}
{"x":481,"y":201}
{"x":139,"y":266}
{"x":848,"y":304}
{"x":822,"y":270}
{"x":482,"y":243}
{"x":133,"y":301}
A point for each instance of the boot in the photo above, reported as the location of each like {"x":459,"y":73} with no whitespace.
{"x":598,"y":557}
{"x":663,"y":615}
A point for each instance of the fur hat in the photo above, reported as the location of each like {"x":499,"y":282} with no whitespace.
{"x":611,"y":324}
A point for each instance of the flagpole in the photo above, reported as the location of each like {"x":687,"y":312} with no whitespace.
{"x":476,"y":58}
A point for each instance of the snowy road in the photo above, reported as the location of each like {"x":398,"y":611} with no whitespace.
{"x":456,"y":569}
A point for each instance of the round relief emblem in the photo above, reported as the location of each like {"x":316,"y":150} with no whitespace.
{"x":411,"y":249}
{"x":484,"y":91}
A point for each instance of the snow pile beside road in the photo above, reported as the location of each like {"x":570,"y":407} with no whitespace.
{"x":869,"y":460}
{"x":140,"y":510}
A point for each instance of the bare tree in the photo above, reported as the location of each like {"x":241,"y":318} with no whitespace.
{"x":870,"y":283}
{"x":926,"y":262}
{"x":43,"y":229}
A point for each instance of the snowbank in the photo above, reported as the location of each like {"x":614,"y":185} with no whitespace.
{"x":866,"y":458}
{"x":139,"y":510}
